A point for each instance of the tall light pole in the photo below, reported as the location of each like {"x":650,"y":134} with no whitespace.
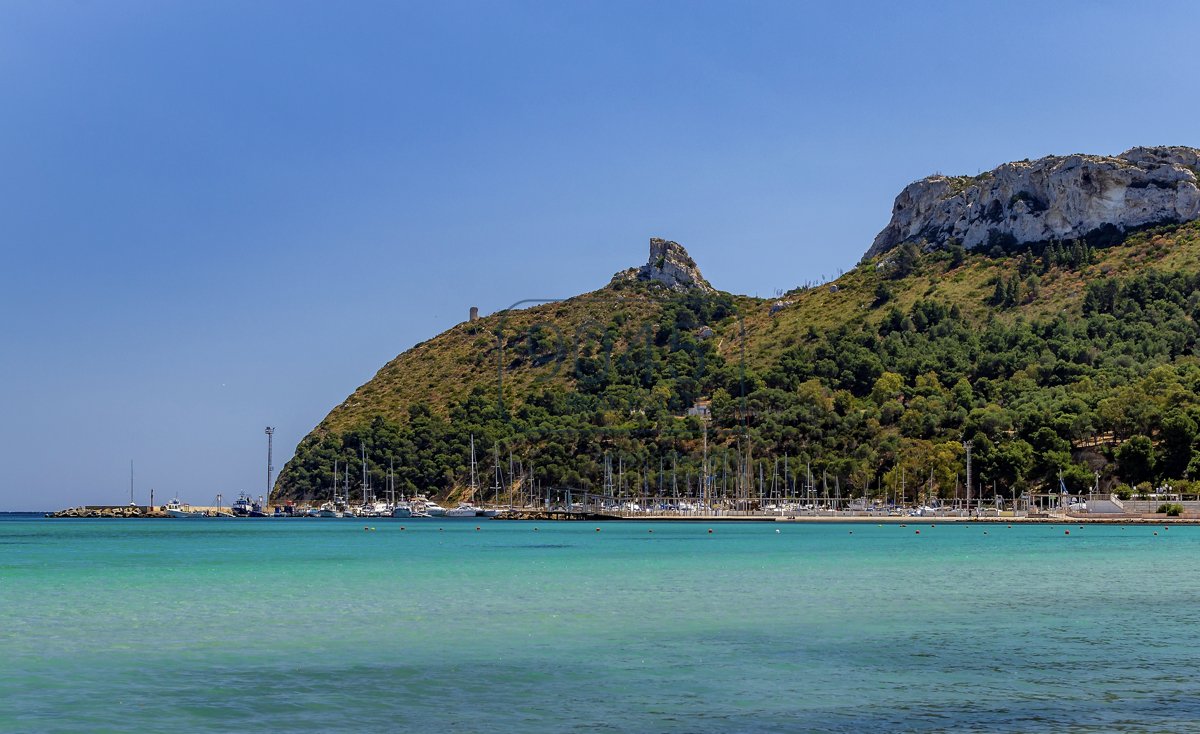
{"x":270,"y":431}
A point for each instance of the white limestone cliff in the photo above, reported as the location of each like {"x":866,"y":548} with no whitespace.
{"x":1052,"y":198}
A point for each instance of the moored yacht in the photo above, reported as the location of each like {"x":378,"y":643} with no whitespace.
{"x":428,"y":508}
{"x":464,"y":509}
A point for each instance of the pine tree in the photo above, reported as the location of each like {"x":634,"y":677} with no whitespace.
{"x":1000,"y":293}
{"x":1025,"y":267}
{"x":1013,"y":293}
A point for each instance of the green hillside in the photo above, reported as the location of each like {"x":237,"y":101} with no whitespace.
{"x":1071,"y":357}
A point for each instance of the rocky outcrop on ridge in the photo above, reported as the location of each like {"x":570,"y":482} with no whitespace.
{"x":671,"y":265}
{"x":1052,"y":198}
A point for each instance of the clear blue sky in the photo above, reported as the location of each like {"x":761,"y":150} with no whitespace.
{"x":219,"y":215}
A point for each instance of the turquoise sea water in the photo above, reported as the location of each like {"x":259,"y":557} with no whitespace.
{"x":318,"y":626}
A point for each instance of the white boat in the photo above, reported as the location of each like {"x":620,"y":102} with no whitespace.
{"x":427,"y":507}
{"x":402,"y":510}
{"x":464,"y":509}
{"x":327,"y":510}
{"x":490,"y":511}
{"x":174,"y":509}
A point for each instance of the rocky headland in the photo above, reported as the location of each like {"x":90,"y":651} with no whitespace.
{"x":1055,"y":198}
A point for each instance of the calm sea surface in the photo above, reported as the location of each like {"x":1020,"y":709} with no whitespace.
{"x":317,"y":626}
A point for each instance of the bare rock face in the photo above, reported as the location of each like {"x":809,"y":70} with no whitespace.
{"x":670,"y":265}
{"x":1052,"y":198}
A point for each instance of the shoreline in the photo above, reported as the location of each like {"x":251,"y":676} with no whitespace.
{"x":517,"y":515}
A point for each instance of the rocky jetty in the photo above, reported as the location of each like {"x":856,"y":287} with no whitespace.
{"x":1052,"y":198}
{"x":525,"y":514}
{"x":108,"y":512}
{"x":671,"y":265}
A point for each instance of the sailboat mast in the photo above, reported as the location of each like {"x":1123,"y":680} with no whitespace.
{"x":364,"y":470}
{"x":808,"y":474}
{"x":786,"y":489}
{"x":474,"y":487}
{"x":496,"y":466}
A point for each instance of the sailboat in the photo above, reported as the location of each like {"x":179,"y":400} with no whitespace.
{"x":401,"y":508}
{"x":131,"y":502}
{"x":367,"y":508}
{"x":329,"y":509}
{"x":466,"y":509}
{"x":494,"y":511}
{"x":345,"y":506}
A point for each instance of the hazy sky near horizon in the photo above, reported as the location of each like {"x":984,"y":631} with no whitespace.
{"x":217,"y":216}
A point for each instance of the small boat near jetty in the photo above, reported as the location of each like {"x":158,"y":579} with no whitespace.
{"x":256,"y":509}
{"x":175,"y":509}
{"x":423,"y":507}
{"x":464,"y":509}
{"x":242,"y":505}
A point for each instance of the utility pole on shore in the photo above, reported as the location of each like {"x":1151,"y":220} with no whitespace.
{"x":270,"y":469}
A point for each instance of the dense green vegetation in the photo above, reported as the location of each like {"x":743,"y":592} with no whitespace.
{"x":1043,"y":380}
